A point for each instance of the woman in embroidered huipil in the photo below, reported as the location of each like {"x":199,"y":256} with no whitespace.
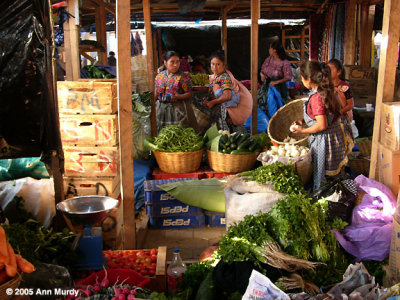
{"x":173,"y":94}
{"x":275,"y":71}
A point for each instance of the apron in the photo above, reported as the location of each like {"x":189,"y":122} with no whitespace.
{"x":328,"y":148}
{"x":174,"y":113}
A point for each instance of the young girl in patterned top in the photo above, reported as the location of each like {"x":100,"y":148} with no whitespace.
{"x":173,"y":91}
{"x":322,"y":116}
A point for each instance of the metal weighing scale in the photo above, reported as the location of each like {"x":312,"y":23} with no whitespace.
{"x":87,"y":211}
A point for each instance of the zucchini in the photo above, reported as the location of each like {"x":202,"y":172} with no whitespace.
{"x":242,"y":138}
{"x":239,"y":152}
{"x":237,"y":137}
{"x":253,"y":146}
{"x":233,"y":146}
{"x":224,"y":138}
{"x":227,"y":144}
{"x":232,"y":138}
{"x":244,"y":145}
{"x":228,"y":149}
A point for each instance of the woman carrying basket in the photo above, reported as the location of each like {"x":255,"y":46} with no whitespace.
{"x":230,"y":103}
{"x":322,"y":116}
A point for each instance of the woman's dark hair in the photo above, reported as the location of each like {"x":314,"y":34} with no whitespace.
{"x":320,"y":74}
{"x":277,"y":46}
{"x":338,"y":65}
{"x":218,"y":54}
{"x":169,"y":54}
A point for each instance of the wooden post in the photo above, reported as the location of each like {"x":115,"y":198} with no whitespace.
{"x":224,"y":34}
{"x":159,"y":47}
{"x":255,"y":14}
{"x":387,"y":70}
{"x":125,"y":122}
{"x":150,"y":69}
{"x":101,"y":32}
{"x":155,"y":54}
{"x":350,"y":35}
{"x":71,"y":44}
{"x":367,"y":23}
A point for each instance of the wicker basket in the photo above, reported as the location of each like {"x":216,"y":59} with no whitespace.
{"x":365,"y":147}
{"x":360,"y":165}
{"x":11,"y":284}
{"x":179,"y":162}
{"x":278,"y":127}
{"x":230,"y":163}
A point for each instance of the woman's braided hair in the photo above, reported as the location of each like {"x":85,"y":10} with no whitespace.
{"x":320,"y":74}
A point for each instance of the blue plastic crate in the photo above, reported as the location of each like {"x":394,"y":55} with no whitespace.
{"x":171,"y":208}
{"x":177,"y":222}
{"x":215,"y":219}
{"x":153,"y":194}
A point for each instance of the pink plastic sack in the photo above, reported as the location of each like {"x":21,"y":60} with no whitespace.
{"x":369,"y":235}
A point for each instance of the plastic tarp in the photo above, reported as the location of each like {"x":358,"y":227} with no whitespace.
{"x":206,"y":193}
{"x":142,"y":171}
{"x":369,"y":235}
{"x":22,"y":167}
{"x":29,"y":123}
{"x":262,"y":122}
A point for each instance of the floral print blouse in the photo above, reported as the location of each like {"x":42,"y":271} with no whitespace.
{"x":165,"y":86}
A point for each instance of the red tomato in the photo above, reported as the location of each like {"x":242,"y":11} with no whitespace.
{"x":147,"y":261}
{"x":153,"y":257}
{"x":153,"y":251}
{"x":139,"y":253}
{"x":152,"y":272}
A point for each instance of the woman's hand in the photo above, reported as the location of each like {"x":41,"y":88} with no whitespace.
{"x":209,"y":104}
{"x":273,"y":83}
{"x":263,"y":78}
{"x":211,"y":78}
{"x":174,"y":97}
{"x":298,"y":122}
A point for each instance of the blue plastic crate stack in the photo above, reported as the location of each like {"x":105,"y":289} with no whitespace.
{"x":166,"y":212}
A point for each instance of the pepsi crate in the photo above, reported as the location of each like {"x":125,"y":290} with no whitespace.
{"x":153,"y":194}
{"x":215,"y":219}
{"x":174,"y":207}
{"x":177,"y":222}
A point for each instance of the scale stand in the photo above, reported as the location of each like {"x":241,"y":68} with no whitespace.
{"x":87,"y":211}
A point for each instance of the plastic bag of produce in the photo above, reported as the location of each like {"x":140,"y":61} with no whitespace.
{"x":141,"y":110}
{"x":206,"y":193}
{"x":340,"y":200}
{"x":237,"y":205}
{"x":354,"y":277}
{"x":261,"y":288}
{"x":37,"y":194}
{"x":369,"y":235}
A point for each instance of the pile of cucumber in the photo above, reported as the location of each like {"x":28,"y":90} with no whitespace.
{"x":237,"y":143}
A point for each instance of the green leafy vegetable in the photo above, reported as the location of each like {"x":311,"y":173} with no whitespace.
{"x":284,"y":177}
{"x":176,"y":138}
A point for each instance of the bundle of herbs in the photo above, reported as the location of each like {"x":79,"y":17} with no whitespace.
{"x":284,"y":177}
{"x":33,"y":241}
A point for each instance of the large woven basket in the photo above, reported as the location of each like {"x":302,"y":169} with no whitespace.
{"x":179,"y":162}
{"x":279,"y":124}
{"x":230,"y":163}
{"x":360,"y":165}
{"x":11,"y":284}
{"x":365,"y":147}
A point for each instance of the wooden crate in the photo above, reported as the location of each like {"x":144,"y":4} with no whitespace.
{"x":103,"y":186}
{"x":89,"y":130}
{"x":91,"y":161}
{"x":87,"y":97}
{"x":159,"y":281}
{"x":112,"y":228}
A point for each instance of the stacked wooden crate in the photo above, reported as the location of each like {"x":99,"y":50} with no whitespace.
{"x":89,"y":133}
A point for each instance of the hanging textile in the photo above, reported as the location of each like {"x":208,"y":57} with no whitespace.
{"x":316,"y":24}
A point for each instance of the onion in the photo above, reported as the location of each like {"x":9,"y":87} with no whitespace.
{"x":281,"y":152}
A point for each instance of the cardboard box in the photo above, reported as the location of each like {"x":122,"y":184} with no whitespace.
{"x":361,"y":101}
{"x":394,"y":254}
{"x":390,"y":125}
{"x":363,"y":87}
{"x":359,"y":73}
{"x":389,"y":167}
